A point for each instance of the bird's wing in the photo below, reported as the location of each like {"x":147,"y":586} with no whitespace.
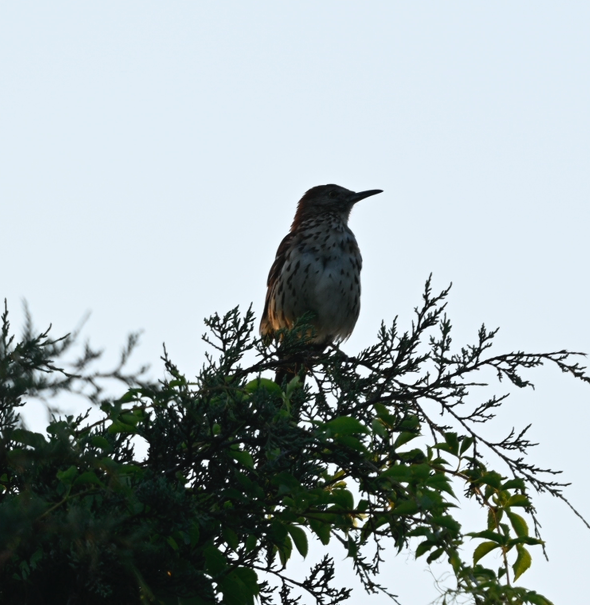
{"x":273,"y":275}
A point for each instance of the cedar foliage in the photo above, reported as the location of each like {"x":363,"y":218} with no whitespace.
{"x":359,"y":454}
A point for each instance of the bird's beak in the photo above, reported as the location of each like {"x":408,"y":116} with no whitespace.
{"x":361,"y":195}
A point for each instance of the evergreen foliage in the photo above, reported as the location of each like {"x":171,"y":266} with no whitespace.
{"x":360,"y":454}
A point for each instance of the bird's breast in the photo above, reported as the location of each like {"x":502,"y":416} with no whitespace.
{"x":322,"y":275}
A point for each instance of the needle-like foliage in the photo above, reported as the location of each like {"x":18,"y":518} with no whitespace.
{"x":355,"y":455}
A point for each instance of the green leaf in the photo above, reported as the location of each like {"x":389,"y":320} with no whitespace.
{"x":406,"y":507}
{"x":453,"y":443}
{"x":286,"y":483}
{"x":483,"y":549}
{"x":278,"y":531}
{"x":420,"y":471}
{"x":299,"y":538}
{"x":398,"y":472}
{"x":249,"y":578}
{"x":129,"y":418}
{"x":231,"y":538}
{"x":251,"y":541}
{"x":215,"y":561}
{"x":518,"y":500}
{"x":263,"y":383}
{"x":424,"y":547}
{"x":440,"y":483}
{"x":345,"y":425}
{"x":379,"y":428}
{"x":513,"y":484}
{"x":409,"y":423}
{"x":404,"y":438}
{"x":88,"y":477}
{"x":492,"y":479}
{"x":322,"y":529}
{"x":235,"y":591}
{"x":285,"y":549}
{"x":466,"y":443}
{"x":194,"y":534}
{"x":522,"y":563}
{"x":120,"y":427}
{"x":519,"y":524}
{"x":434,"y":555}
{"x":489,"y":535}
{"x":101,"y":442}
{"x":447,"y":521}
{"x":67,"y":476}
{"x":343,"y":498}
{"x":243,"y":457}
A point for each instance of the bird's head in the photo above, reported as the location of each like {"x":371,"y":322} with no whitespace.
{"x":329,"y":199}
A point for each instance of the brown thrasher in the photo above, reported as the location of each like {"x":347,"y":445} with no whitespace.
{"x":317,"y":269}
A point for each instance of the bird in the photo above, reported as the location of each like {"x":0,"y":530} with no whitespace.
{"x":317,"y":269}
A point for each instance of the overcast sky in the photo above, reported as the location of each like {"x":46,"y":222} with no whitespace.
{"x":152,"y":153}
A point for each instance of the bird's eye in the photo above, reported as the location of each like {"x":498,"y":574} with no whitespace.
{"x":332,"y":194}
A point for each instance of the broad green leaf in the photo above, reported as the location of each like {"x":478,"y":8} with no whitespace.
{"x":406,"y":507}
{"x":522,"y":563}
{"x":466,"y":443}
{"x":351,"y":442}
{"x":404,"y":438}
{"x":120,"y":427}
{"x":194,"y":534}
{"x":514,"y":484}
{"x":424,"y":547}
{"x":215,"y":561}
{"x":231,"y":538}
{"x":519,"y":524}
{"x":343,"y":498}
{"x":263,"y":383}
{"x":235,"y":591}
{"x":286,"y":483}
{"x":420,"y":471}
{"x":322,"y":530}
{"x":409,"y":423}
{"x":489,"y":535}
{"x":440,"y":482}
{"x":345,"y":425}
{"x":492,"y":479}
{"x":285,"y":549}
{"x":68,"y":475}
{"x":397,"y":472}
{"x":453,"y":442}
{"x":88,"y":477}
{"x":447,"y":521}
{"x":100,"y":442}
{"x":518,"y":500}
{"x":483,"y":549}
{"x":243,"y":457}
{"x":249,"y":578}
{"x":434,"y":555}
{"x":129,"y":418}
{"x":379,"y":428}
{"x":278,"y":531}
{"x":251,"y":541}
{"x":299,"y":536}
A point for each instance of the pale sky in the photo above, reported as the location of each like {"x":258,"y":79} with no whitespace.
{"x":152,"y":154}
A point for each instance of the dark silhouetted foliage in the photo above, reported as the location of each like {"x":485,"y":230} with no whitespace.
{"x":359,"y":454}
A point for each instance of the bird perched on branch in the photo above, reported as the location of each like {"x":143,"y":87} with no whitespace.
{"x":317,"y":269}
